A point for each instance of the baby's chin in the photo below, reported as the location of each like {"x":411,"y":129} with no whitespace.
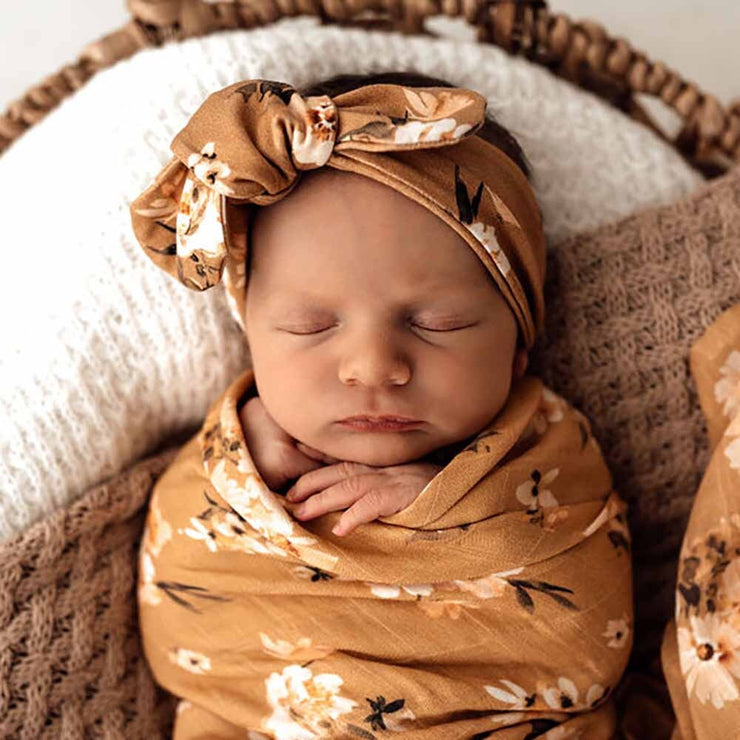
{"x":381,"y":449}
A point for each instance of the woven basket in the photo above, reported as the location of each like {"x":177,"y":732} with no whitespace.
{"x":70,"y":663}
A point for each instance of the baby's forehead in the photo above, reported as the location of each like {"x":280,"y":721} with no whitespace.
{"x":339,"y":229}
{"x":325,"y":186}
{"x":337,"y":206}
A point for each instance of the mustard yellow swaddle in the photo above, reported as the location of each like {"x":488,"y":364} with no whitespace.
{"x":500,"y":600}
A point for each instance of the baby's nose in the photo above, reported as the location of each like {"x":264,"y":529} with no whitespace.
{"x":375,"y":361}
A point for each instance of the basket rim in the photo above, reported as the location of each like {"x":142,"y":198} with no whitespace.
{"x":581,"y":52}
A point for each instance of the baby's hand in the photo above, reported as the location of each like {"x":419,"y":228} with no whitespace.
{"x":369,"y":491}
{"x":279,"y":458}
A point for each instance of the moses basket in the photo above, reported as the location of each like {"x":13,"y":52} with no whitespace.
{"x":643,"y":228}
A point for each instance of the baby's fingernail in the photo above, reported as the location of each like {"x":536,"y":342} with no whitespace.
{"x":338,"y":530}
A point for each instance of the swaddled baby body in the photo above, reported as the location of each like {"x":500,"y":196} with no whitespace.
{"x":459,"y":570}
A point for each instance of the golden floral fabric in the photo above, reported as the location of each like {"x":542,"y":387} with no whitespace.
{"x":701,"y":645}
{"x":247,"y":145}
{"x":499,"y":603}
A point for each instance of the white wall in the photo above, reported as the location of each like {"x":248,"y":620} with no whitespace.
{"x":697,"y":37}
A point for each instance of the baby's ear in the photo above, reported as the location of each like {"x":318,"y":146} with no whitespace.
{"x":521,"y":360}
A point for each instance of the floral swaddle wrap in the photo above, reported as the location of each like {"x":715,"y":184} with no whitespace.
{"x":500,"y":600}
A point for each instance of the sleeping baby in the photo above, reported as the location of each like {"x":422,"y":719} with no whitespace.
{"x":384,"y":524}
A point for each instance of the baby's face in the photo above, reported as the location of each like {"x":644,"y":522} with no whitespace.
{"x":360,"y":301}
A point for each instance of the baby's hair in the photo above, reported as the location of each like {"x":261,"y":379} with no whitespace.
{"x":491,"y":130}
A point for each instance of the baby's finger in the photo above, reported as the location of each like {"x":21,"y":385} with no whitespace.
{"x":373,"y":504}
{"x":325,"y":477}
{"x":336,"y":497}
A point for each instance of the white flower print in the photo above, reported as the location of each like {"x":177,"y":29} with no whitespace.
{"x":238,"y":536}
{"x":532,"y":493}
{"x":148,"y":591}
{"x":240,"y":279}
{"x":209,"y":170}
{"x":199,"y":225}
{"x":732,"y":453}
{"x":486,"y":235}
{"x":158,"y":531}
{"x":551,"y":410}
{"x":727,"y":388}
{"x":607,"y":514}
{"x":246,"y":466}
{"x":617,"y":632}
{"x":489,"y":586}
{"x":419,"y":589}
{"x":390,"y":591}
{"x":709,"y":654}
{"x":313,"y":143}
{"x":282,"y":648}
{"x":537,"y":425}
{"x":199,"y":531}
{"x":424,"y":104}
{"x":190,"y":660}
{"x":566,"y":695}
{"x":596,"y":692}
{"x":516,"y":696}
{"x":302,"y":703}
{"x":412,"y":132}
{"x":302,"y":650}
{"x":252,"y":499}
{"x":553,"y":405}
{"x":261,"y":511}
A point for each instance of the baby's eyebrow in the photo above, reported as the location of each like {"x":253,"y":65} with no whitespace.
{"x":300,"y":306}
{"x":445,"y":298}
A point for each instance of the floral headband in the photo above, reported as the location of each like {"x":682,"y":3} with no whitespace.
{"x":249,"y":142}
